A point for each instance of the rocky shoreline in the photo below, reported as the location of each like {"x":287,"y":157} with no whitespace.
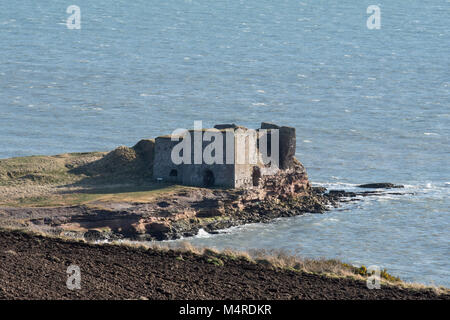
{"x":181,"y":214}
{"x":46,"y":194}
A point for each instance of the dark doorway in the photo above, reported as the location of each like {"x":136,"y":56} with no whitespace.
{"x":208,"y":178}
{"x":256,"y":176}
{"x":173,"y":173}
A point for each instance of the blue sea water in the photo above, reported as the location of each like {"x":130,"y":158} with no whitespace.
{"x":368,"y":105}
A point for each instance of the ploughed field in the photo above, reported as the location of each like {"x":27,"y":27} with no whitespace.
{"x":35,"y":267}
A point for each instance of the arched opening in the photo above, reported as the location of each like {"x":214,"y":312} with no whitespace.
{"x":173,"y":173}
{"x":256,"y":176}
{"x":208,"y":178}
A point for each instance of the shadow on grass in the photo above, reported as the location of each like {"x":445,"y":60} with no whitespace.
{"x":130,"y":188}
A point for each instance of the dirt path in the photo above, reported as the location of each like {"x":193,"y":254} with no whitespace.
{"x":34,"y":267}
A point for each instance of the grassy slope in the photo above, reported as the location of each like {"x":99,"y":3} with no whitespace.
{"x":75,"y":178}
{"x":23,"y":171}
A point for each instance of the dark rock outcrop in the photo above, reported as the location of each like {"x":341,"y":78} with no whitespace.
{"x":381,"y":185}
{"x":225,"y":126}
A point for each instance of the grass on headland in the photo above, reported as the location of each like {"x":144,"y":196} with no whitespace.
{"x":44,"y":170}
{"x":119,"y":193}
{"x":122,"y":175}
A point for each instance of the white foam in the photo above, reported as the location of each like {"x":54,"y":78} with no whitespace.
{"x":372,"y":97}
{"x":202,"y":234}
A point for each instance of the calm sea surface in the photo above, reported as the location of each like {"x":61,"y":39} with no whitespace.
{"x":368,"y":105}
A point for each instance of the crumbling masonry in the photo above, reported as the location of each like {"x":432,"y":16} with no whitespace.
{"x":242,"y":172}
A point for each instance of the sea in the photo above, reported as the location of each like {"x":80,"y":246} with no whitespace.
{"x":367,"y":91}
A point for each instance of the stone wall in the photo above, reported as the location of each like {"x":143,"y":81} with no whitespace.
{"x":245,"y":158}
{"x":287,"y":144}
{"x":195,"y":175}
{"x":199,"y":174}
{"x":191,"y":174}
{"x":237,"y":175}
{"x":163,"y":165}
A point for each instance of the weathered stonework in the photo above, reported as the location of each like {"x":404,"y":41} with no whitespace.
{"x":256,"y":192}
{"x":246,"y":169}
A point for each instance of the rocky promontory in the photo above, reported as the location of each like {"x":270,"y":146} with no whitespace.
{"x":112,"y":196}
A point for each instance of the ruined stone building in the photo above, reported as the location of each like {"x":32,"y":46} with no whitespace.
{"x":245,"y":168}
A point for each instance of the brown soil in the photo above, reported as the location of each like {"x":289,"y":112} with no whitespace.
{"x":34,"y":267}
